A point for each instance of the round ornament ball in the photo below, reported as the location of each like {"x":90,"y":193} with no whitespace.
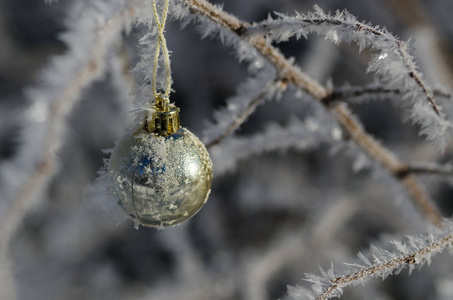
{"x":160,"y":180}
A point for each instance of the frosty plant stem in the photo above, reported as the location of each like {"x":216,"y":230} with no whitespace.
{"x":363,"y":34}
{"x":349,"y":94}
{"x":395,"y":262}
{"x":247,"y":112}
{"x":344,"y":116}
{"x":59,"y":107}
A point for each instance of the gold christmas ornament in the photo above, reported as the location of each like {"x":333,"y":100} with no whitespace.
{"x":162,"y":173}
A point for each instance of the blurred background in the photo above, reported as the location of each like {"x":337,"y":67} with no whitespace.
{"x":271,"y":218}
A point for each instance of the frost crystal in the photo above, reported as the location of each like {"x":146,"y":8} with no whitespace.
{"x":394,"y":64}
{"x":416,"y":251}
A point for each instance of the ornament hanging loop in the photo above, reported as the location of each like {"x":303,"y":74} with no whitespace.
{"x":165,"y":118}
{"x":161,"y":43}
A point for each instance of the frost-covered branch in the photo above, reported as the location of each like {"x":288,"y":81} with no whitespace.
{"x":394,"y":64}
{"x":390,"y":162}
{"x":44,"y":122}
{"x":300,"y":135}
{"x":293,"y":75}
{"x":432,"y":49}
{"x":238,"y":110}
{"x":287,"y":70}
{"x":93,"y":30}
{"x":291,"y":247}
{"x":359,"y":94}
{"x":415,"y":252}
{"x":344,"y":27}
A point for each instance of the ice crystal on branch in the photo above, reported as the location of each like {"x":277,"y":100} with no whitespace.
{"x":89,"y":39}
{"x":300,"y":135}
{"x":394,"y":64}
{"x":250,"y":94}
{"x":416,"y":251}
{"x":234,"y":248}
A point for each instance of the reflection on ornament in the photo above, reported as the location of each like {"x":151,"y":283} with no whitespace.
{"x":161,"y":174}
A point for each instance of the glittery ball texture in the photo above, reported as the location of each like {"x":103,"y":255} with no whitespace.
{"x":160,"y":181}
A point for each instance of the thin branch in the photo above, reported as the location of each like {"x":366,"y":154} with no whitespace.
{"x":272,"y":54}
{"x":345,"y":94}
{"x":401,"y":48}
{"x":416,"y":18}
{"x":364,"y":140}
{"x":59,"y":108}
{"x":348,"y":93}
{"x":422,"y":199}
{"x":242,"y":117}
{"x":389,"y":161}
{"x":292,"y":247}
{"x":299,"y":135}
{"x":293,"y":75}
{"x":417,"y":257}
{"x":434,"y":169}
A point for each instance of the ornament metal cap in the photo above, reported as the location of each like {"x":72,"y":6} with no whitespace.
{"x":165,"y":119}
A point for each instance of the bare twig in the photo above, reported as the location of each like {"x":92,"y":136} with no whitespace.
{"x":435,"y":169}
{"x":293,"y":75}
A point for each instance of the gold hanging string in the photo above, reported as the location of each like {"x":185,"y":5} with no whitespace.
{"x":161,"y":42}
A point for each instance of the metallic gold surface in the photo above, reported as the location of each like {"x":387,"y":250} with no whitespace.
{"x":164,"y":123}
{"x":162,"y":102}
{"x":160,"y":181}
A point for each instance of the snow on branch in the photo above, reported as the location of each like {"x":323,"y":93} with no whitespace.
{"x":236,"y":32}
{"x":414,"y":252}
{"x":233,"y":32}
{"x":93,"y":28}
{"x":394,"y":63}
{"x":374,"y":91}
{"x":250,"y":95}
{"x":300,"y":135}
